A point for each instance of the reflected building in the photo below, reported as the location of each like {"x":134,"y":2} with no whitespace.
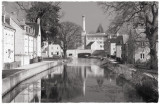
{"x":91,"y":71}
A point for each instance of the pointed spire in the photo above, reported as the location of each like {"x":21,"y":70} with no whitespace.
{"x":100,"y":29}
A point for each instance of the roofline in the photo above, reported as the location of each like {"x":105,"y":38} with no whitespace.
{"x":17,"y":23}
{"x":9,"y":27}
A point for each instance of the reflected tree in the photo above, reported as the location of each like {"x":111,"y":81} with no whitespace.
{"x":100,"y":81}
{"x":69,"y":87}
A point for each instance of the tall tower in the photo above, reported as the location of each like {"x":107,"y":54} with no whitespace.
{"x":83,"y":37}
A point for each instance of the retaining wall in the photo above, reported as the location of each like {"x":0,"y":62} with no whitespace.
{"x":29,"y":70}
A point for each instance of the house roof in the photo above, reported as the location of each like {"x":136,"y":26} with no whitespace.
{"x":125,"y":38}
{"x":35,"y":26}
{"x":119,"y":40}
{"x":8,"y":16}
{"x":7,"y":25}
{"x":89,"y":45}
{"x":112,"y":40}
{"x":97,"y":34}
{"x":98,"y":53}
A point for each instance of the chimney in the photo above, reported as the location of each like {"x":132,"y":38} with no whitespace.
{"x":38,"y":21}
{"x":83,"y":22}
{"x":3,"y":16}
{"x":117,"y":34}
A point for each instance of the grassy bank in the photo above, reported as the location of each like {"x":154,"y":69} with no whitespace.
{"x":146,"y":86}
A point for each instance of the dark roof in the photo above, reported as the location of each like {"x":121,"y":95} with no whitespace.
{"x":8,"y":16}
{"x":97,"y":34}
{"x":100,"y":29}
{"x":89,"y":45}
{"x":35,"y":26}
{"x":112,"y":40}
{"x":119,"y":40}
{"x":7,"y":25}
{"x":98,"y":53}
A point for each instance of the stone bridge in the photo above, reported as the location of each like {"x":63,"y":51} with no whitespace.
{"x":76,"y":52}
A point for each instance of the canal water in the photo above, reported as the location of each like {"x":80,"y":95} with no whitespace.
{"x":81,"y":80}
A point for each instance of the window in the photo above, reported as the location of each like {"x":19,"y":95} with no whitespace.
{"x":70,"y":54}
{"x":142,"y":55}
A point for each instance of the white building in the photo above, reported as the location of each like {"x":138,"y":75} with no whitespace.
{"x":27,"y":39}
{"x":33,"y":36}
{"x":19,"y":34}
{"x":51,"y":50}
{"x":8,"y":40}
{"x":98,"y":38}
{"x":55,"y":49}
{"x":94,"y":37}
{"x":119,"y":43}
{"x":113,"y":49}
{"x":96,"y":45}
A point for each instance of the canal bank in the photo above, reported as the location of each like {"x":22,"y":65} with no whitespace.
{"x":81,"y":80}
{"x":26,"y":72}
{"x":145,"y":83}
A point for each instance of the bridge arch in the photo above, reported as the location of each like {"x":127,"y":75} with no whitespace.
{"x":78,"y":53}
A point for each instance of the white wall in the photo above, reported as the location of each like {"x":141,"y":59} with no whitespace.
{"x":8,"y":45}
{"x":39,"y":52}
{"x":31,"y":47}
{"x":112,"y":48}
{"x":72,"y":53}
{"x":118,"y":51}
{"x":19,"y":40}
{"x":26,"y":45}
{"x":55,"y":49}
{"x":96,"y":46}
{"x":34,"y":47}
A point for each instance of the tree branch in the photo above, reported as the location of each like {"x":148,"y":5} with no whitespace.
{"x":21,"y":6}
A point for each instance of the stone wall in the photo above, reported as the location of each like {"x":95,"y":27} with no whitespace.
{"x":29,"y":71}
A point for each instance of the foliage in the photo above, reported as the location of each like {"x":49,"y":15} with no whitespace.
{"x":136,"y":13}
{"x":69,"y":36}
{"x":48,"y":12}
{"x":147,"y":87}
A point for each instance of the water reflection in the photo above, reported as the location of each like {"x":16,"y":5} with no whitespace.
{"x":78,"y":83}
{"x":32,"y":93}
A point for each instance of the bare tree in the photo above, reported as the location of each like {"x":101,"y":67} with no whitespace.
{"x":144,"y":13}
{"x":69,"y":36}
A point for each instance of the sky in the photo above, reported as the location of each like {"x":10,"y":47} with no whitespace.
{"x":73,"y":12}
{"x":93,"y":13}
